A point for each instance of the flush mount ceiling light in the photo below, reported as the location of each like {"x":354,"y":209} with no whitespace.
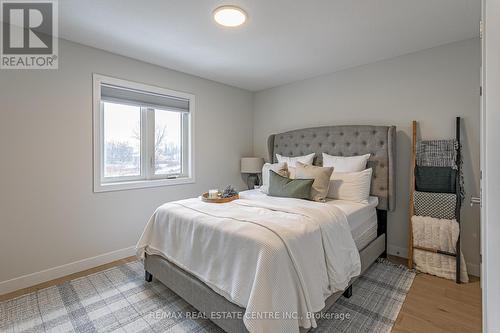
{"x":230,"y":16}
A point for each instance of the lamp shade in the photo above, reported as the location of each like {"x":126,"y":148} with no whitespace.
{"x":252,"y":164}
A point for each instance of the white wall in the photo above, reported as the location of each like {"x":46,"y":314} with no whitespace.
{"x":491,"y":160}
{"x":49,"y":215}
{"x":431,"y":86}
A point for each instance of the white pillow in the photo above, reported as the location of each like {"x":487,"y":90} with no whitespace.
{"x":290,"y":161}
{"x":346,"y":164}
{"x":351,"y":186}
{"x":280,"y":168}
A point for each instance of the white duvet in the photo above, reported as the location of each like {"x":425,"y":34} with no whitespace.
{"x":275,"y":257}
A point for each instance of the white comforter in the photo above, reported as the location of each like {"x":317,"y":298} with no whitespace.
{"x":276,"y":257}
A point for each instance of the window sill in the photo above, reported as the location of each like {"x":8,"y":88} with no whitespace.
{"x":137,"y":184}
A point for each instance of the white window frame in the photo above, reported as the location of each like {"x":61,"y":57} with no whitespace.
{"x":147,"y":178}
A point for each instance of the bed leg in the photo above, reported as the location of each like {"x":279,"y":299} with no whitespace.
{"x":148,"y":276}
{"x":382,"y":228}
{"x":348,"y":292}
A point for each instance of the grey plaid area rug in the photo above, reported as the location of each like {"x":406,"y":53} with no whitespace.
{"x":119,"y":300}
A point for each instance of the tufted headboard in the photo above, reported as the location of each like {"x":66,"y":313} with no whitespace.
{"x":351,"y":140}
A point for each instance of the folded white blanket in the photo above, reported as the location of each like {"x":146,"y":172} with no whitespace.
{"x":439,"y":234}
{"x":266,"y":254}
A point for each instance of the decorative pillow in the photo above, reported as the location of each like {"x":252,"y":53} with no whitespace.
{"x":351,"y":186}
{"x":280,"y":186}
{"x":346,"y":164}
{"x":321,"y":177}
{"x":290,"y":161}
{"x":279,"y":168}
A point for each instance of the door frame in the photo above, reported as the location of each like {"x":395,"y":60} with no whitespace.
{"x":490,"y":162}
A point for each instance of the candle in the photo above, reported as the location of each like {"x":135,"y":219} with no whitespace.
{"x":213,"y":194}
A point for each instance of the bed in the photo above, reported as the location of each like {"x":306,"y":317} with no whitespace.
{"x":247,"y":275}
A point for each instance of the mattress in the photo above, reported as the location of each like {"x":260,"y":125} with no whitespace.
{"x":362,"y":219}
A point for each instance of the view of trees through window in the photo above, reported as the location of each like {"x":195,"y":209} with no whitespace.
{"x":168,"y":142}
{"x":122,"y":140}
{"x":122,"y":153}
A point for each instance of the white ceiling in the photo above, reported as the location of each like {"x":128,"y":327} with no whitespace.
{"x":282,"y":41}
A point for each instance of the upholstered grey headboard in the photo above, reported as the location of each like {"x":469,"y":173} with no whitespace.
{"x":379,"y":141}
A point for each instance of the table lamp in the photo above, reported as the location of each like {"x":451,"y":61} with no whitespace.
{"x":252,"y":166}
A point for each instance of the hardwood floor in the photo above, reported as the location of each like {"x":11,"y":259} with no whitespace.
{"x":433,"y":305}
{"x":436,"y":305}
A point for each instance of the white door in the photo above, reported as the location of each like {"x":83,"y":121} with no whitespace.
{"x":490,"y":166}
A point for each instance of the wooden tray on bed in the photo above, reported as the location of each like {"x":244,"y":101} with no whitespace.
{"x":205,"y":198}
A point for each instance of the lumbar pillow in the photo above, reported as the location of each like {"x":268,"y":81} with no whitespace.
{"x":352,"y":186}
{"x":280,"y":186}
{"x":346,"y":164}
{"x":290,"y":161}
{"x":321,"y":177}
{"x":279,"y":168}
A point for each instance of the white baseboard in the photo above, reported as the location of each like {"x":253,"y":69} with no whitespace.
{"x":32,"y":279}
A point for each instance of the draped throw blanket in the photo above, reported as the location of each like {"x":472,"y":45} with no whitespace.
{"x":437,"y":205}
{"x":438,"y":234}
{"x":435,"y":179}
{"x":437,"y":153}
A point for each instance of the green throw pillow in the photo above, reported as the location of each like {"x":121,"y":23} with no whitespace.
{"x":280,"y":186}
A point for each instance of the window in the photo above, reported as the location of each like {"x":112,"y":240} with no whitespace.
{"x":142,"y":135}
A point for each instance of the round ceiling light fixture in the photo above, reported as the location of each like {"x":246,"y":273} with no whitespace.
{"x":230,"y":16}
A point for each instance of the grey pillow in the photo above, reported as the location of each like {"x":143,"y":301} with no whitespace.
{"x":321,"y":176}
{"x":280,"y":186}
